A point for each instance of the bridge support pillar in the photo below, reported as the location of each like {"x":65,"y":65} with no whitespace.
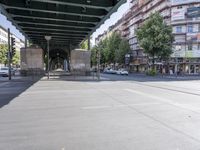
{"x":32,"y":61}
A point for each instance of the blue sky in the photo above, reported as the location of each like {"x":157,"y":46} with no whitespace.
{"x":7,"y":24}
{"x":112,"y":20}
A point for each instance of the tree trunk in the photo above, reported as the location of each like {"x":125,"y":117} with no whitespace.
{"x":153,"y":61}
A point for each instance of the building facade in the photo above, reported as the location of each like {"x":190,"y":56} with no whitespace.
{"x":3,"y":36}
{"x":183,"y":16}
{"x":19,"y":43}
{"x":117,"y":27}
{"x":139,"y":12}
{"x":185,"y":20}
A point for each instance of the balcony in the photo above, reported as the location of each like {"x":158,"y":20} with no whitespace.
{"x":125,"y":33}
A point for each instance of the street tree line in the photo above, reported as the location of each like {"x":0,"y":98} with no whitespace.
{"x":112,"y":49}
{"x":154,"y":37}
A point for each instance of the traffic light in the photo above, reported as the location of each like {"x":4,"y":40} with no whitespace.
{"x":13,"y":50}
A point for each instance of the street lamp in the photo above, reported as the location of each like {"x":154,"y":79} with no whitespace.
{"x":58,"y":60}
{"x":48,"y":38}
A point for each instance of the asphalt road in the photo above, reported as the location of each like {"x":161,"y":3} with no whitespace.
{"x":138,"y":114}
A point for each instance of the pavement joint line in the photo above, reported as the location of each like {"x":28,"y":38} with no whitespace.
{"x":118,"y":106}
{"x":168,"y":101}
{"x":173,"y":90}
{"x":154,"y":119}
{"x":3,"y":83}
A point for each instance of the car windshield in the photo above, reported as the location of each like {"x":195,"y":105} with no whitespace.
{"x":4,"y":68}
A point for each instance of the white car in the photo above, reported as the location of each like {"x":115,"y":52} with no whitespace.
{"x":122,"y":72}
{"x":4,"y":71}
{"x":109,"y":71}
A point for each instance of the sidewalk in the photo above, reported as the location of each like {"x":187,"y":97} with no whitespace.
{"x":74,"y":78}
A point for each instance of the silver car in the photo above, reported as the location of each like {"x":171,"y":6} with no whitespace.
{"x":4,"y":71}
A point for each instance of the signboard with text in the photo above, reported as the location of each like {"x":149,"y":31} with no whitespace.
{"x":178,"y":14}
{"x":193,"y":12}
{"x":178,"y":2}
{"x":193,"y":36}
{"x":186,"y":53}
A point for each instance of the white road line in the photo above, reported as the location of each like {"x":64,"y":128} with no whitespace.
{"x":184,"y":106}
{"x":118,"y":106}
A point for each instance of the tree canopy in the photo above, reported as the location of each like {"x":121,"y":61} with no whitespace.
{"x":112,"y":49}
{"x":155,"y":37}
{"x":3,"y":53}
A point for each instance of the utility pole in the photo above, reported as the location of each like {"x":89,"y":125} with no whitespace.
{"x":48,"y":38}
{"x":48,"y":56}
{"x":88,"y":42}
{"x":9,"y":56}
{"x":98,"y":64}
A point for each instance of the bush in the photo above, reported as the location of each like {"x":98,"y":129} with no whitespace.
{"x":152,"y":72}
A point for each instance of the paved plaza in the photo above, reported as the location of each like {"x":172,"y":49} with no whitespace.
{"x":124,"y":114}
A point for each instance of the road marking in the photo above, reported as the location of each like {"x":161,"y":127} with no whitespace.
{"x":118,"y":106}
{"x":2,"y":84}
{"x":183,"y":106}
{"x":96,"y":107}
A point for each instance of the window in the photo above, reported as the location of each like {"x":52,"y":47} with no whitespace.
{"x":178,"y":29}
{"x":190,"y":28}
{"x":199,"y":27}
{"x":178,"y":47}
{"x":191,"y":5}
{"x":190,"y":47}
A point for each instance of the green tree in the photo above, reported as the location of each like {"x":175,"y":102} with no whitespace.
{"x":155,"y":37}
{"x":3,"y":53}
{"x":84,"y":45}
{"x":113,"y":47}
{"x":93,"y":55}
{"x":16,"y":58}
{"x":123,"y":49}
{"x":102,"y":47}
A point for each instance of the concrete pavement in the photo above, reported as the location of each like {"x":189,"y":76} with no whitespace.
{"x":112,"y":115}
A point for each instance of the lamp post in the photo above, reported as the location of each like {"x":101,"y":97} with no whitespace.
{"x":48,"y":38}
{"x":58,"y":60}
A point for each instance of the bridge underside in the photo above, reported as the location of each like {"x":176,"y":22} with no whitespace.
{"x":67,"y":21}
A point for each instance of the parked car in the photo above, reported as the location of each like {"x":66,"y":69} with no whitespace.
{"x":122,"y":72}
{"x":4,"y":71}
{"x":109,"y":71}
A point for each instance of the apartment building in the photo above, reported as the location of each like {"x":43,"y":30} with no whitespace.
{"x":19,"y":43}
{"x":3,"y":35}
{"x":117,"y":27}
{"x":182,"y":15}
{"x":185,"y":20}
{"x":139,"y":12}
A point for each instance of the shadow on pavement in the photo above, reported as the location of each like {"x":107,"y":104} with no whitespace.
{"x":131,"y":77}
{"x":12,"y":89}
